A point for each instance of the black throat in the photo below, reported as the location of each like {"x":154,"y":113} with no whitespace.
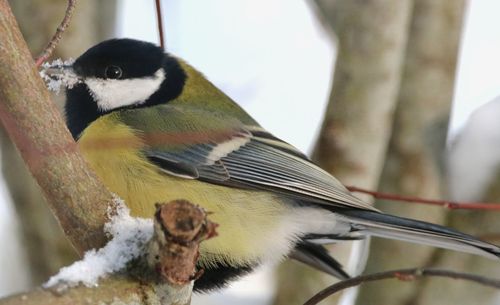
{"x":81,"y":109}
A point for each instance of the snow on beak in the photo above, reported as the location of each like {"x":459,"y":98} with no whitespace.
{"x":59,"y":74}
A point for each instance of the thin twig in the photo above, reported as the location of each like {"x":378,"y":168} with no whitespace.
{"x":159,"y":21}
{"x":492,"y":237}
{"x":444,"y":203}
{"x":403,"y":275}
{"x":57,"y":35}
{"x":179,"y":227}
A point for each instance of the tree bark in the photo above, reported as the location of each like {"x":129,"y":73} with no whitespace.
{"x":356,"y":128}
{"x":46,"y":246}
{"x":114,"y":290}
{"x":413,"y":164}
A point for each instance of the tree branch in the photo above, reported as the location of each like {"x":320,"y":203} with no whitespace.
{"x":57,"y":35}
{"x":402,"y":275}
{"x":78,"y":199}
{"x":179,"y":228}
{"x":113,"y":289}
{"x":166,"y":279}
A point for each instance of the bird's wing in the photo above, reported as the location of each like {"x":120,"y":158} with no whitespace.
{"x":228,"y":152}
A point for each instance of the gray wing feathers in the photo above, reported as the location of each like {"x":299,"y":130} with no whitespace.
{"x":260,"y":162}
{"x":263,"y":165}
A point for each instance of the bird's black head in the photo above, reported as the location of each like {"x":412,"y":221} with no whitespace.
{"x":120,"y":59}
{"x":119,"y":74}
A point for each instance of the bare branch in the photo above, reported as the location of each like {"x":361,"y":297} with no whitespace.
{"x":57,"y":35}
{"x":402,"y":275}
{"x":159,"y":20}
{"x":454,"y":205}
{"x":179,"y":228}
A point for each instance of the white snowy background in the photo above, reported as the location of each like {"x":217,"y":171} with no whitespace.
{"x":275,"y":59}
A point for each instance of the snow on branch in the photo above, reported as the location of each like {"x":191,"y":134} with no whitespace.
{"x":129,"y":237}
{"x":162,"y":262}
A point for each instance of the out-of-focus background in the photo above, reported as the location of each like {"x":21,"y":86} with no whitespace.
{"x":380,"y":93}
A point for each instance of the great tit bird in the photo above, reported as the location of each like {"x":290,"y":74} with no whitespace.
{"x":154,"y":129}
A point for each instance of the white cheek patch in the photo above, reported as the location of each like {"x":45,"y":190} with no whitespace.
{"x":115,"y":93}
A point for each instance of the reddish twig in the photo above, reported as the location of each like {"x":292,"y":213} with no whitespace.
{"x":402,"y":275}
{"x":444,"y":203}
{"x":159,"y":21}
{"x":489,"y":237}
{"x":57,"y":35}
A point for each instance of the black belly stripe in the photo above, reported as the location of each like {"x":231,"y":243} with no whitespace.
{"x":219,"y":276}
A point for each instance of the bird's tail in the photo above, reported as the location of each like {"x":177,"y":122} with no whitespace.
{"x":388,"y":226}
{"x":318,"y":257}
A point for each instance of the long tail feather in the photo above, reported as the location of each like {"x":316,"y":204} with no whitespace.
{"x":387,"y":226}
{"x":318,"y":257}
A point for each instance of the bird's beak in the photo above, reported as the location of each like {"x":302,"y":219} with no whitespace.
{"x":58,"y":70}
{"x":62,"y":74}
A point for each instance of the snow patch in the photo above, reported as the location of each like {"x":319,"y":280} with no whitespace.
{"x":130,"y":236}
{"x":474,"y":156}
{"x":56,"y":75}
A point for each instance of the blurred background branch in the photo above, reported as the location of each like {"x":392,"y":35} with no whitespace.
{"x":353,"y":138}
{"x":413,"y":163}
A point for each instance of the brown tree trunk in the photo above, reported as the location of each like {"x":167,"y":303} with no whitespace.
{"x":413,"y":164}
{"x":46,"y":245}
{"x":356,"y":128}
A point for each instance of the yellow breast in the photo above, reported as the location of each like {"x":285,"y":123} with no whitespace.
{"x":247,"y":219}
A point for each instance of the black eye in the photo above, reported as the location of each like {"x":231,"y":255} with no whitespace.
{"x":113,"y":72}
